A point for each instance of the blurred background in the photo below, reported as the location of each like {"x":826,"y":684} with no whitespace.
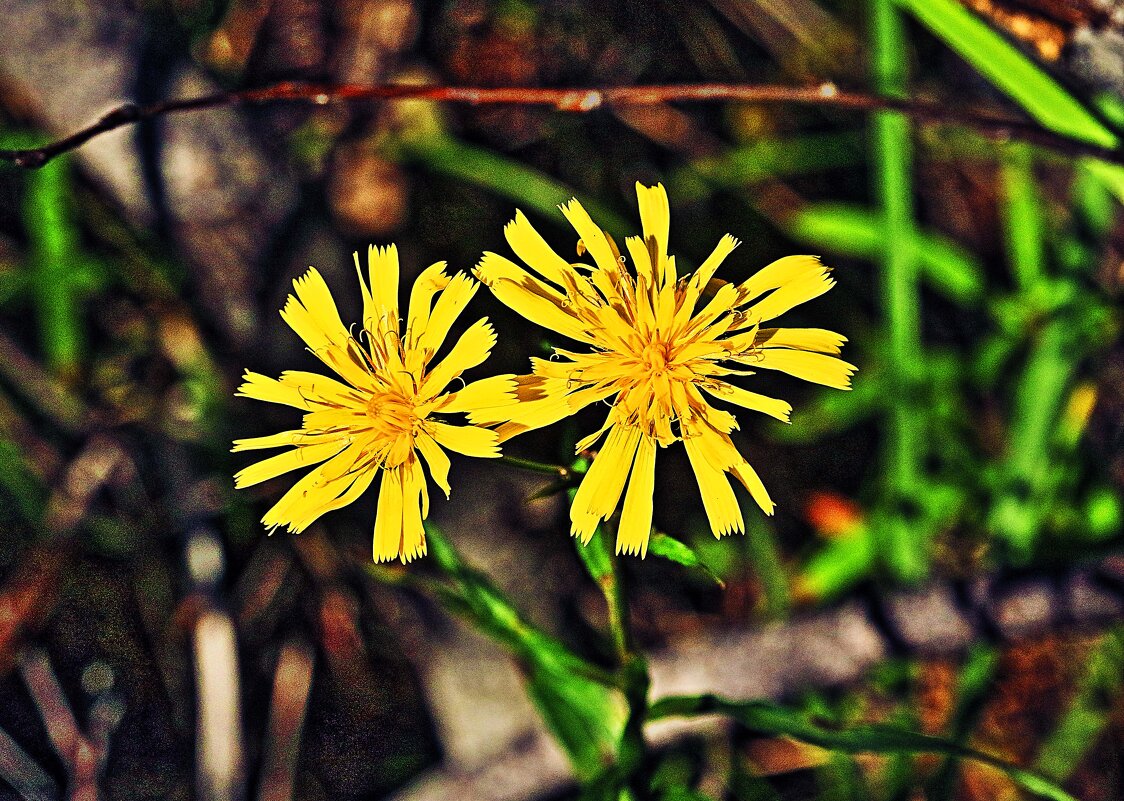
{"x":947,"y":548}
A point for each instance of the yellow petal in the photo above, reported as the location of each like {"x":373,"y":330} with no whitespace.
{"x":750,"y":480}
{"x":388,"y":520}
{"x":492,"y":394}
{"x":327,"y":497}
{"x":382,"y":266}
{"x":591,"y":236}
{"x":601,"y":487}
{"x":437,"y":460}
{"x":448,"y":307}
{"x":655,"y":218}
{"x":414,"y":509}
{"x":776,"y":274}
{"x":701,"y":278}
{"x":819,"y":368}
{"x":774,"y":407}
{"x":529,"y":245}
{"x":814,"y":339}
{"x":312,"y":314}
{"x":298,"y":437}
{"x":525,"y":294}
{"x":329,"y":486}
{"x":804,"y":287}
{"x":304,"y":456}
{"x":718,"y":497}
{"x":471,"y":350}
{"x":431,"y":281}
{"x":469,"y":440}
{"x":529,"y":415}
{"x":263,"y":388}
{"x":321,"y":390}
{"x":636,"y":516}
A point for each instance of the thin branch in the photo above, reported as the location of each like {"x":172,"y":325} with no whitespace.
{"x":578,"y":100}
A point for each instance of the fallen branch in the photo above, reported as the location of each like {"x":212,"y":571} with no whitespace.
{"x":576,"y":100}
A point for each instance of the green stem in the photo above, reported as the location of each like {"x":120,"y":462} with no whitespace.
{"x":561,"y":471}
{"x":613,"y":589}
{"x":1022,"y":218}
{"x":904,"y":546}
{"x":893,"y":147}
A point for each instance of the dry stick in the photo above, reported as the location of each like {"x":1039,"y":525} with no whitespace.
{"x":577,"y":100}
{"x":23,"y":774}
{"x":287,"y":709}
{"x":78,"y":753}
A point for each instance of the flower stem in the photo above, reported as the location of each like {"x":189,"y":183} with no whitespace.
{"x":561,"y":471}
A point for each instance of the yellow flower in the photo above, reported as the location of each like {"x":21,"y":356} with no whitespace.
{"x":385,"y":415}
{"x":657,"y":344}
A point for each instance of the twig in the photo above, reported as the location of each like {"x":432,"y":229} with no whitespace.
{"x":23,"y":773}
{"x":41,"y":389}
{"x":218,"y":758}
{"x":291,"y":686}
{"x":80,"y":754}
{"x":576,"y":100}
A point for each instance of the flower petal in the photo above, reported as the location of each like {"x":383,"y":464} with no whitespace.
{"x":655,"y":219}
{"x":601,"y":487}
{"x":819,"y":368}
{"x":383,"y":269}
{"x":469,"y":440}
{"x":388,"y":520}
{"x":525,"y":294}
{"x":436,"y":458}
{"x":264,"y":388}
{"x":303,"y":456}
{"x":718,"y":497}
{"x":283,"y":438}
{"x":448,"y":307}
{"x":312,"y":314}
{"x":471,"y":350}
{"x":415,"y":506}
{"x":804,"y":287}
{"x":480,"y":398}
{"x":529,"y":245}
{"x":776,"y":274}
{"x":814,"y":339}
{"x":321,"y":490}
{"x":591,"y":236}
{"x":431,"y":281}
{"x":774,"y":407}
{"x":752,"y":482}
{"x":636,"y":516}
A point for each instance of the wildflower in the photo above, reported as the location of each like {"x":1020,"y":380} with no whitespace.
{"x":658,"y":345}
{"x":388,"y":411}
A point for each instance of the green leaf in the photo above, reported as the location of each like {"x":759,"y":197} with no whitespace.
{"x":504,"y":176}
{"x":1009,"y":70}
{"x":667,"y":547}
{"x":764,"y":159}
{"x":840,"y":564}
{"x":1111,"y":176}
{"x":860,"y":233}
{"x":767,"y":718}
{"x":1023,"y":222}
{"x":1089,"y":713}
{"x":575,"y":698}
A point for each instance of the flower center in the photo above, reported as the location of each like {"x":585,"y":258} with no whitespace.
{"x":655,"y":356}
{"x":393,"y":419}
